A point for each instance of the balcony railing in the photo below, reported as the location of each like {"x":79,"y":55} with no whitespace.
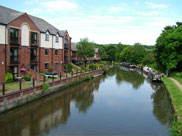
{"x":66,"y":46}
{"x":14,"y":60}
{"x":34,"y":43}
{"x":14,"y":41}
{"x":33,"y":60}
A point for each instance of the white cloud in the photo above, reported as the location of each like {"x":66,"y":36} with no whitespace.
{"x":155,"y":6}
{"x":150,"y":13}
{"x":59,"y":5}
{"x":118,"y":8}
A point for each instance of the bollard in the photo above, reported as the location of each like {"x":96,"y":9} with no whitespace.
{"x":60,"y":76}
{"x":3,"y":88}
{"x":33,"y":82}
{"x":53,"y":77}
{"x":44,"y":79}
{"x":20,"y":84}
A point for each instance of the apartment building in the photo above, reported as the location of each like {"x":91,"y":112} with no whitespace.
{"x":29,"y":43}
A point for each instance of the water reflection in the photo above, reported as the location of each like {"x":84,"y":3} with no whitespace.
{"x":39,"y":117}
{"x":108,"y":109}
{"x":162,"y":107}
{"x":134,"y":77}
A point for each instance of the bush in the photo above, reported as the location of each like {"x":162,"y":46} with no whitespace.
{"x":45,"y":86}
{"x":178,"y":74}
{"x":69,"y":68}
{"x":97,"y":65}
{"x":27,"y":77}
{"x":92,"y":66}
{"x":103,"y":62}
{"x":42,"y":74}
{"x":8,"y":77}
{"x":88,"y":77}
{"x":50,"y":69}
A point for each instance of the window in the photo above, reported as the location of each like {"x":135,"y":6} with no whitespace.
{"x":33,"y":55}
{"x":47,"y":37}
{"x":46,"y":51}
{"x":56,"y":65}
{"x":33,"y":39}
{"x":13,"y":55}
{"x":14,"y":71}
{"x":46,"y":65}
{"x":57,"y":39}
{"x":14,"y":36}
{"x":33,"y":67}
{"x":56,"y":52}
{"x":65,"y":43}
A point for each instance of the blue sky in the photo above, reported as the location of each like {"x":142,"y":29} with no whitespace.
{"x":105,"y":21}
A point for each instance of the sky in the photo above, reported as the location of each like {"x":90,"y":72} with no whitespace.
{"x":105,"y":21}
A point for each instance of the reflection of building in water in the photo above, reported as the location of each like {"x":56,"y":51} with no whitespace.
{"x":40,"y":116}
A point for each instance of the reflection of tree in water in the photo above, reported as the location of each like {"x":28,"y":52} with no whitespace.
{"x":133,"y":77}
{"x":162,"y":107}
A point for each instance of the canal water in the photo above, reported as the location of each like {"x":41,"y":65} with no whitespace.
{"x":122,"y":103}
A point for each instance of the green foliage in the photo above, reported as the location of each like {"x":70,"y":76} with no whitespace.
{"x":168,"y":48}
{"x":27,"y":77}
{"x":133,"y":54}
{"x":42,"y":74}
{"x":85,"y":48}
{"x":50,"y":69}
{"x":70,"y":68}
{"x":88,"y":77}
{"x":92,"y":67}
{"x":103,"y":62}
{"x":148,"y":59}
{"x":8,"y":77}
{"x":175,"y":127}
{"x":45,"y":86}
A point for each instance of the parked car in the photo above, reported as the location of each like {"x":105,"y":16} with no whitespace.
{"x":50,"y":75}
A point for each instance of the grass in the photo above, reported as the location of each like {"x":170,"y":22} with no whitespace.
{"x":15,"y":85}
{"x":175,"y":93}
{"x":178,"y":79}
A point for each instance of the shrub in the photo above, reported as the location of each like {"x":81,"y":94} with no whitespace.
{"x":97,"y":65}
{"x":27,"y":77}
{"x":50,"y":69}
{"x":69,"y":68}
{"x":45,"y":86}
{"x":92,"y":66}
{"x":42,"y":74}
{"x":103,"y":62}
{"x":8,"y":77}
{"x":88,"y":77}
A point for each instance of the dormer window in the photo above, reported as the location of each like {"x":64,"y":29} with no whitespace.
{"x":47,"y":37}
{"x":57,"y":39}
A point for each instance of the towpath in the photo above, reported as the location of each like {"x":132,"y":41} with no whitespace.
{"x":177,"y":83}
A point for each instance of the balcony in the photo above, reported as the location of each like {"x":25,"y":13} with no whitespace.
{"x":14,"y":41}
{"x":34,"y":43}
{"x":65,"y":60}
{"x":33,"y":60}
{"x":65,"y":46}
{"x":14,"y":60}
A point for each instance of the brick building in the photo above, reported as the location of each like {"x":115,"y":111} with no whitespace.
{"x":29,"y":43}
{"x":79,"y":60}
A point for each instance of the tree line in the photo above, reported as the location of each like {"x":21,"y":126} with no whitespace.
{"x":166,"y":54}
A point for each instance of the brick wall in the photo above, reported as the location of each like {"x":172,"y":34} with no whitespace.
{"x":2,"y":63}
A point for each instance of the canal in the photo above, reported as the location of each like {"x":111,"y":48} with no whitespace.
{"x":121,"y":103}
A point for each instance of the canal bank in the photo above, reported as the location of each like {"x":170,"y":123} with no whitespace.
{"x":24,"y":96}
{"x":176,"y":98}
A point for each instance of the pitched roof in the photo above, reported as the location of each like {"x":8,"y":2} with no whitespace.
{"x":7,"y":15}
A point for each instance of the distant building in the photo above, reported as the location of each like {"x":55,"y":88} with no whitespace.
{"x":79,"y":60}
{"x":31,"y":44}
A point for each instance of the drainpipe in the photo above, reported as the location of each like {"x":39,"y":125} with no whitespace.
{"x":39,"y":50}
{"x":5,"y":47}
{"x":52,"y":50}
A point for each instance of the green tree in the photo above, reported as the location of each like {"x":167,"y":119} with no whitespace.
{"x":85,"y":49}
{"x":168,"y":48}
